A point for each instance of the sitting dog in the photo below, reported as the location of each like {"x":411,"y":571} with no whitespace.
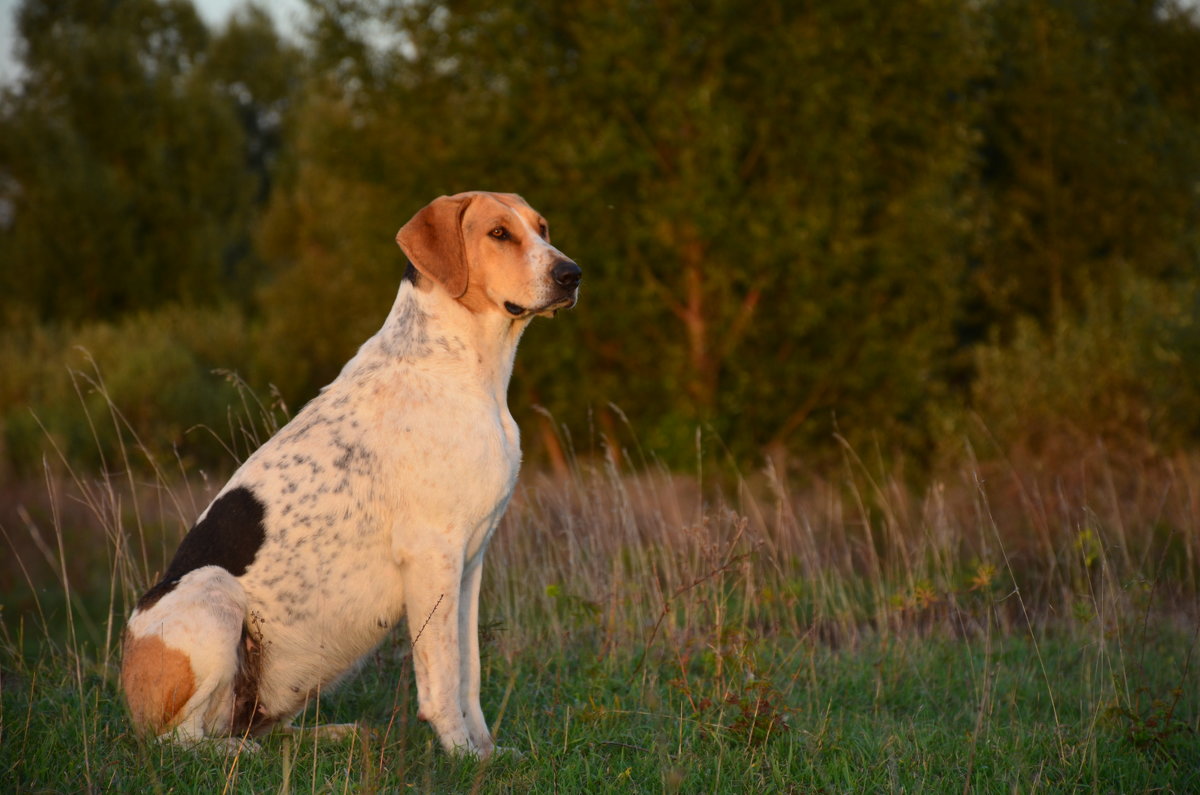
{"x":376,"y":502}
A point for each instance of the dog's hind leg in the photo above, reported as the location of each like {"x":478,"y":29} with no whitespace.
{"x":181,"y":656}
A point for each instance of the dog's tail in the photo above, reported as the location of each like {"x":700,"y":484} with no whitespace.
{"x":183,"y":653}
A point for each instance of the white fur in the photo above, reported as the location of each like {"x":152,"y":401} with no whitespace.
{"x":380,"y":498}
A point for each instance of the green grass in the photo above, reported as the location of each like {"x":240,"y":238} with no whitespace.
{"x":922,"y":714}
{"x":1002,"y":628}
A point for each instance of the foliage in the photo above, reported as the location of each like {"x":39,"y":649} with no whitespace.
{"x":760,"y":274}
{"x":1110,"y":372}
{"x":154,"y":372}
{"x":799,"y":222}
{"x":1089,"y":153}
{"x":123,"y":167}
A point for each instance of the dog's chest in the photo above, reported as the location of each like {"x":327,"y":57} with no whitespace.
{"x":455,"y":461}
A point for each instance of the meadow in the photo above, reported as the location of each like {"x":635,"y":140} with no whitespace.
{"x":900,"y":303}
{"x":1000,"y":628}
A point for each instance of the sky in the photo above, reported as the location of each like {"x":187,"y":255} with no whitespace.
{"x":214,"y":12}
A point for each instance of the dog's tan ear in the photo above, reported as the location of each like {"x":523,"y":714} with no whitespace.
{"x":433,"y":242}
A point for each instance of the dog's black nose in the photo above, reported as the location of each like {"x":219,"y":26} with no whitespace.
{"x":566,"y":273}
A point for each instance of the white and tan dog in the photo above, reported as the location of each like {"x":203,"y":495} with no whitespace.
{"x":375,"y":502}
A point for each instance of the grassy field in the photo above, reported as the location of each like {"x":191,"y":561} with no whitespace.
{"x":918,"y":715}
{"x":999,"y":629}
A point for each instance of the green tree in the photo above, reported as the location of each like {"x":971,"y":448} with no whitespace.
{"x":1090,"y":153}
{"x":260,"y":74}
{"x":134,"y":156}
{"x":121,"y":167}
{"x":767,"y":201}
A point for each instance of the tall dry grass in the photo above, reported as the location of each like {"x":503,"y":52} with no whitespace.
{"x":858,"y":551}
{"x":643,"y":558}
{"x":713,"y":599}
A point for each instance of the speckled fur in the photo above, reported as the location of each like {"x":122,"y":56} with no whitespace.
{"x":378,"y":499}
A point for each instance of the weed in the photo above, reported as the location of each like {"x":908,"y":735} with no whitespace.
{"x":1152,"y":724}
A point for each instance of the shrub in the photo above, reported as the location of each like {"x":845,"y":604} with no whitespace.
{"x":159,"y":375}
{"x":1122,"y":372}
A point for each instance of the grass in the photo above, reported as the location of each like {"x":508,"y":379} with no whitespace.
{"x":1003,"y":628}
{"x":938,"y":715}
{"x":927,"y":715}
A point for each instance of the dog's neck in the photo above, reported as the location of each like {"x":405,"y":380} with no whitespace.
{"x":428,"y":328}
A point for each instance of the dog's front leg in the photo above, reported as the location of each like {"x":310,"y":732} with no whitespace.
{"x":432,"y":597}
{"x":468,"y":628}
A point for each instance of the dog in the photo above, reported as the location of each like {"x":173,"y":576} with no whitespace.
{"x":376,"y":502}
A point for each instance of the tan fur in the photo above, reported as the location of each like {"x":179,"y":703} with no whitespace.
{"x":495,"y":268}
{"x":439,"y":256}
{"x":157,"y":681}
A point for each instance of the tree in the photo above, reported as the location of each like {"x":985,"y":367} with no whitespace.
{"x":1090,"y":151}
{"x":766,"y":202}
{"x":122,"y":167}
{"x":260,"y":75}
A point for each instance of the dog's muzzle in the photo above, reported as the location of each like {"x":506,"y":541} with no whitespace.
{"x":566,"y":275}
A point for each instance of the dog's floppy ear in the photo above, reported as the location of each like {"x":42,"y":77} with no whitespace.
{"x":433,"y":242}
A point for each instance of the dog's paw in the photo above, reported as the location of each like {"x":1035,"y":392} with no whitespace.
{"x":467,"y":750}
{"x":227,"y":746}
{"x":232,"y":746}
{"x":327,"y":731}
{"x":202,"y":742}
{"x":508,"y":752}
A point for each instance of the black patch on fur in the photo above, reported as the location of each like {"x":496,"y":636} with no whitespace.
{"x":229,"y":536}
{"x":411,"y":274}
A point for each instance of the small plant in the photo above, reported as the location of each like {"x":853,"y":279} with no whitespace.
{"x":571,"y":605}
{"x":761,"y":712}
{"x":744,"y":702}
{"x":1155,"y":726}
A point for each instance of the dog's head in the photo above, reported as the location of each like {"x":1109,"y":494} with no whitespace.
{"x":492,"y":252}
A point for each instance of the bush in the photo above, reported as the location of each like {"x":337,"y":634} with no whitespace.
{"x":1125,"y":372}
{"x":158,"y":370}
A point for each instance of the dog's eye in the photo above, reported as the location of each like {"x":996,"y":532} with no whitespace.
{"x":500,"y":233}
{"x":544,"y":231}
